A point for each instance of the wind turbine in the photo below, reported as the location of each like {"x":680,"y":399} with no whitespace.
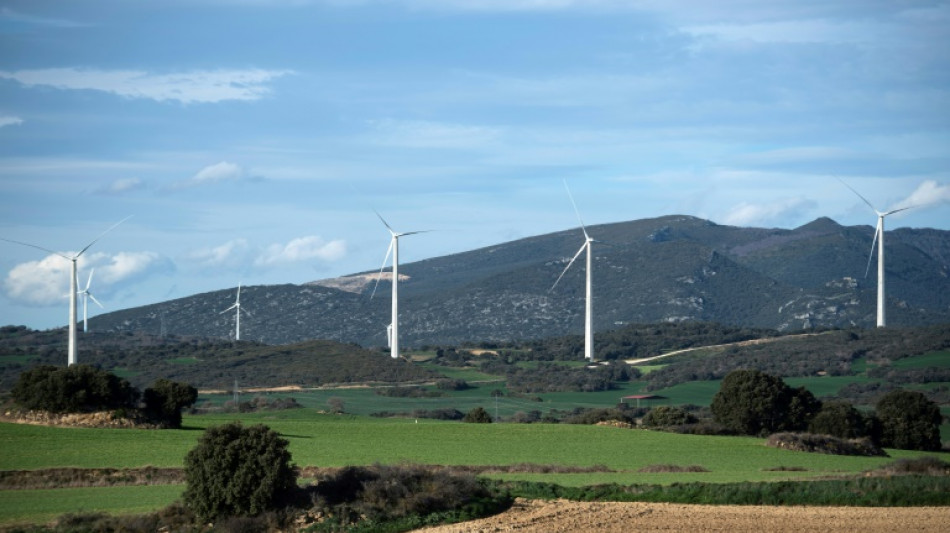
{"x":392,"y":330}
{"x":879,"y":240}
{"x":86,"y":296}
{"x":73,"y":283}
{"x":588,"y":307}
{"x":237,"y":314}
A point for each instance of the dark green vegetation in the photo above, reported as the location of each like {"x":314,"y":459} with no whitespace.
{"x":755,"y":403}
{"x":909,"y":420}
{"x":83,"y":389}
{"x":238,"y":471}
{"x":666,"y":269}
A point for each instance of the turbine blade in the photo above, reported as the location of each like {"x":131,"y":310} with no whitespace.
{"x":380,"y":275}
{"x":384,"y":222}
{"x":93,"y":298}
{"x":228,"y":309}
{"x":100,"y":236}
{"x":892,"y":211}
{"x":576,"y":211}
{"x":414,"y":232}
{"x":569,"y":265}
{"x":64,"y":256}
{"x":859,"y":196}
{"x":877,"y":231}
{"x":89,"y":281}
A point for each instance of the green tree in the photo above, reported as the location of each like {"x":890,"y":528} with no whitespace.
{"x":72,"y":389}
{"x":909,"y":421}
{"x":238,"y":471}
{"x":840,"y":419}
{"x":665,"y":416}
{"x":477,"y":416}
{"x":755,"y":403}
{"x":165,"y":399}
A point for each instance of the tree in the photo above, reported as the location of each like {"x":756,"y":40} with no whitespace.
{"x":238,"y":471}
{"x":165,"y":399}
{"x":665,"y":416}
{"x":754,"y":403}
{"x":477,"y":416}
{"x":840,"y":419}
{"x":72,"y":389}
{"x":909,"y":421}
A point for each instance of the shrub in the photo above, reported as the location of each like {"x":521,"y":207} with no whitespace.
{"x":754,"y":403}
{"x":596,"y":416}
{"x":478,"y":415}
{"x":238,"y":471}
{"x":909,"y":421}
{"x":840,"y":419}
{"x":809,"y":442}
{"x":165,"y":399}
{"x":665,"y":416}
{"x":72,"y":389}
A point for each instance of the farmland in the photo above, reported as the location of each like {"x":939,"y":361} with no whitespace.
{"x":325,"y":440}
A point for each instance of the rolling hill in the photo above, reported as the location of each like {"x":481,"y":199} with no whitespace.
{"x":667,"y":269}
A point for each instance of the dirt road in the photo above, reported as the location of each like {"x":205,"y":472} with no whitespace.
{"x":531,"y":516}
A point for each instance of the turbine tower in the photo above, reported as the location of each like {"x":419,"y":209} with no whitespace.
{"x":392,"y":330}
{"x":237,"y":314}
{"x":86,"y":295}
{"x":73,"y":285}
{"x":589,"y":306}
{"x":879,"y":240}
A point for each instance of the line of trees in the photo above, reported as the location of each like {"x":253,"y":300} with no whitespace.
{"x":751,"y":402}
{"x":83,"y":388}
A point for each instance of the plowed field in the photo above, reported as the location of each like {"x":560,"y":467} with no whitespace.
{"x":531,"y":516}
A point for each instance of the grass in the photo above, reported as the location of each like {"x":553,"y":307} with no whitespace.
{"x":933,"y":359}
{"x":339,"y":440}
{"x":183,"y":360}
{"x":16,"y":359}
{"x":38,"y":506}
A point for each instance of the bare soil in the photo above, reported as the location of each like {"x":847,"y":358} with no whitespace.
{"x":535,"y":516}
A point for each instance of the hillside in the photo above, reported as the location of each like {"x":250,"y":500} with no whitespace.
{"x":666,"y":269}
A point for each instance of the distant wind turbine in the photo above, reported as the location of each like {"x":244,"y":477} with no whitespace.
{"x":588,"y":307}
{"x":73,"y":284}
{"x":392,"y":330}
{"x":879,"y":240}
{"x":86,"y":296}
{"x":237,"y":314}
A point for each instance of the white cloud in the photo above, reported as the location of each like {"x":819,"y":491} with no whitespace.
{"x":216,"y":173}
{"x":10,"y":121}
{"x":46,"y":282}
{"x":230,"y":254}
{"x":302,"y":249}
{"x":928,"y":194}
{"x":123,"y":185}
{"x":762,"y":214}
{"x":201,"y":86}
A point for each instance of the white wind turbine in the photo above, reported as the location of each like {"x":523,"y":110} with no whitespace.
{"x":237,"y":314}
{"x":588,"y":311}
{"x":879,"y":240}
{"x":392,"y":330}
{"x":86,"y":296}
{"x":73,"y":283}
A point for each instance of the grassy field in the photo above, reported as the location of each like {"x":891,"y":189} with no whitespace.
{"x":338,"y":440}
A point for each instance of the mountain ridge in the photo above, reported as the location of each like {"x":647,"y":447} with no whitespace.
{"x":671,"y":268}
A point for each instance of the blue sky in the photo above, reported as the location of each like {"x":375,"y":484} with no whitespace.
{"x":252,"y":139}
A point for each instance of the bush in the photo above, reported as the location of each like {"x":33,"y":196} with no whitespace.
{"x":72,"y":389}
{"x":666,"y":416}
{"x":809,"y":442}
{"x":840,"y":419}
{"x":754,"y":403}
{"x":478,"y":416}
{"x":165,"y":399}
{"x":238,"y":471}
{"x":909,"y":421}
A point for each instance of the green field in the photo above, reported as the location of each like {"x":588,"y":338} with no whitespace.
{"x":337,"y":440}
